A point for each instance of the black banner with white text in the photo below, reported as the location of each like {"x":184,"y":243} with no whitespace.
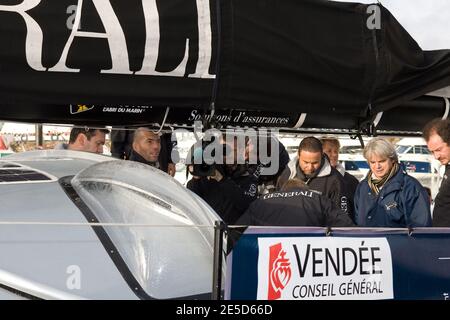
{"x":334,"y":60}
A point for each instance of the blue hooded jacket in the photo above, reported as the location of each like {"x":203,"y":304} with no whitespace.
{"x":401,"y":203}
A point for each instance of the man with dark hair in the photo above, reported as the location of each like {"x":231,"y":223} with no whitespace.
{"x":121,"y":141}
{"x":437,"y":136}
{"x":313,"y":167}
{"x":85,"y":139}
{"x":294,"y":205}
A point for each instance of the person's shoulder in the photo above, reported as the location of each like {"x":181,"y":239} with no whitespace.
{"x":335,"y":173}
{"x":336,"y":176}
{"x":446,"y":171}
{"x":191,"y":183}
{"x":285,"y":174}
{"x":362,"y":184}
{"x":350,"y":177}
{"x":412,"y":185}
{"x":225,"y":185}
{"x":61,"y":146}
{"x":410,"y":180}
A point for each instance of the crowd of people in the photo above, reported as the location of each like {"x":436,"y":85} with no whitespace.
{"x":311,"y":190}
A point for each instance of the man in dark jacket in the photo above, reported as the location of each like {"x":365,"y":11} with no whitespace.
{"x":246,"y":177}
{"x":331,"y":148}
{"x":121,"y":146}
{"x":146,"y":147}
{"x":295,"y":205}
{"x":210,"y":182}
{"x":222,"y":194}
{"x":279,"y":156}
{"x":437,"y":136}
{"x":121,"y":141}
{"x":313,"y":168}
{"x":240,"y":165}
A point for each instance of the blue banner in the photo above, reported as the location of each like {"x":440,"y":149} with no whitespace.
{"x":279,"y":263}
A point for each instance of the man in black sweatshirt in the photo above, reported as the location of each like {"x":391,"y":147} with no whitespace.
{"x":294,"y":205}
{"x":146,"y":147}
{"x":331,"y":148}
{"x":313,"y":168}
{"x":121,"y":147}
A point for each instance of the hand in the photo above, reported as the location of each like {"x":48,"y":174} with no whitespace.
{"x":191,"y":171}
{"x":217,"y":176}
{"x":171,"y":169}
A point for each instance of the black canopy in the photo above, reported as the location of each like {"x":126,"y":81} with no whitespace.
{"x":339,"y":63}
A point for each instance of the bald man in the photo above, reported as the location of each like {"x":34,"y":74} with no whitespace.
{"x":146,"y":147}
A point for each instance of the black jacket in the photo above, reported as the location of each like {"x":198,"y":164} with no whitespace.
{"x":121,"y":141}
{"x":134,"y":156}
{"x":441,"y":211}
{"x":250,"y":176}
{"x":121,"y":147}
{"x":328,"y":181}
{"x":297,"y":207}
{"x":247,"y":178}
{"x":350,"y":184}
{"x":225,"y":197}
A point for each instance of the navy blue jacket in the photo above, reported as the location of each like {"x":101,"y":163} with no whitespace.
{"x":401,"y":203}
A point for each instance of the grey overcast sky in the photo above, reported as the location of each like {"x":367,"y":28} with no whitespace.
{"x":427,"y":21}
